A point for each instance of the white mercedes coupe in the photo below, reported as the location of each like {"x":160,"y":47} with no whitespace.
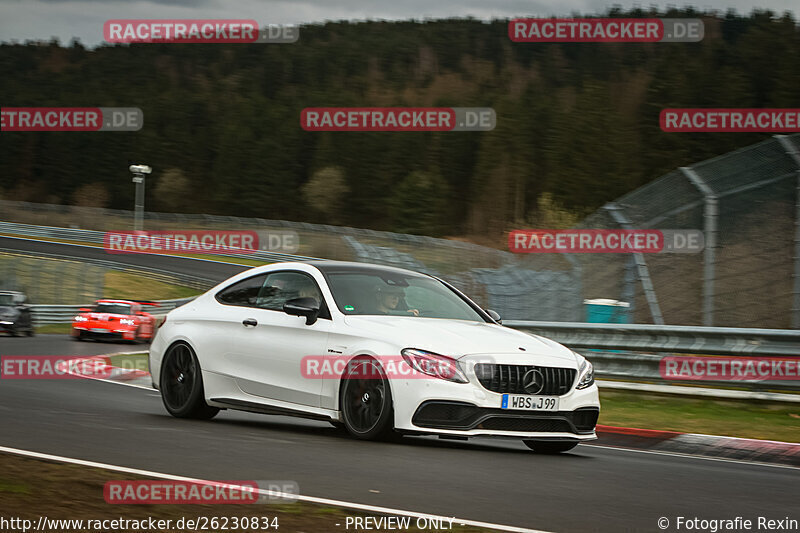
{"x":377,"y":350}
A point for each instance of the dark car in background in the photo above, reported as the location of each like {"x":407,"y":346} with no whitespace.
{"x":15,"y":316}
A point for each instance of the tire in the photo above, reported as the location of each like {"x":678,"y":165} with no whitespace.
{"x":366,"y":404}
{"x":31,"y":332}
{"x":550,"y":447}
{"x":181,"y":384}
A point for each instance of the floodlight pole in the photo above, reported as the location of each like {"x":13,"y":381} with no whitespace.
{"x":139,"y":172}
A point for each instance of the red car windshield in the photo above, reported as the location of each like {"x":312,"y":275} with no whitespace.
{"x":113,"y":308}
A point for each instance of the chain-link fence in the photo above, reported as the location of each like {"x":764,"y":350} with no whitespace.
{"x":52,"y":281}
{"x":548,"y":290}
{"x":746,"y":203}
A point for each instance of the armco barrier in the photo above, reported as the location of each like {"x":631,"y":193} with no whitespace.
{"x":620,"y":351}
{"x":97,"y":237}
{"x":655,"y":338}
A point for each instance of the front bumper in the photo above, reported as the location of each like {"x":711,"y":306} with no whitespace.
{"x":436,"y":406}
{"x":7,"y":325}
{"x":466,"y":417}
{"x":108,"y":334}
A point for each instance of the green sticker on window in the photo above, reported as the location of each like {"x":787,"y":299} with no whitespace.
{"x":349,"y":308}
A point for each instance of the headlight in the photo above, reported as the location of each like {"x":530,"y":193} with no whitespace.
{"x":81,"y":319}
{"x":435,"y":365}
{"x":585,"y":375}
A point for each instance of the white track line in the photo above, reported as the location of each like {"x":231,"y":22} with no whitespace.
{"x":310,"y":499}
{"x":115,"y":382}
{"x":690,"y":456}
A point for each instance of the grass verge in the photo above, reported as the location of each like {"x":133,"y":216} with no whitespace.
{"x":125,"y":286}
{"x":733,"y":418}
{"x":33,"y":488}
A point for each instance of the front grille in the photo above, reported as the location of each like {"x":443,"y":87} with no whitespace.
{"x":508,"y":379}
{"x":503,"y":423}
{"x":443,"y":414}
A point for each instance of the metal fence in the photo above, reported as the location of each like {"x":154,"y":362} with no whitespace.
{"x":51,"y":280}
{"x":493,"y":277}
{"x":54,"y":279}
{"x":747,"y":203}
{"x":61,"y":314}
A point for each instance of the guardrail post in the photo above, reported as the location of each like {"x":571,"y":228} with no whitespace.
{"x":641,"y":265}
{"x":793,"y":153}
{"x":710,"y":229}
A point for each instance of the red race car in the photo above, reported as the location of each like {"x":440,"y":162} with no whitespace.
{"x":116,"y":320}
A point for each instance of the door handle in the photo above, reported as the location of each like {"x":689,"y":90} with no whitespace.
{"x":250,"y":322}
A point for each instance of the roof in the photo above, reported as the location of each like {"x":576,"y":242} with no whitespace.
{"x":328,"y":267}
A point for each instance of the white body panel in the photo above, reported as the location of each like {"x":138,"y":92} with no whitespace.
{"x":259,"y":366}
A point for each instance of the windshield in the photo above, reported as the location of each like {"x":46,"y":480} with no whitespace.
{"x":6,"y":299}
{"x":382,"y":294}
{"x":113,"y":308}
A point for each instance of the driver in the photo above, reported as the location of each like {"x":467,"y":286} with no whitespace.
{"x":389,"y":299}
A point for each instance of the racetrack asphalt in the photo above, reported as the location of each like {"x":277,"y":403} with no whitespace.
{"x":592,"y":488}
{"x":498,"y":481}
{"x":211,"y":270}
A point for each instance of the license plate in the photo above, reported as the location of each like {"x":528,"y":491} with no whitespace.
{"x":531,"y":403}
{"x":98,"y":330}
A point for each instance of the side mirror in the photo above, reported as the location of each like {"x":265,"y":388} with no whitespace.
{"x":307,"y":307}
{"x":495,"y":316}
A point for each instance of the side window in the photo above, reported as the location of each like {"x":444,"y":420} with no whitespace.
{"x":282,"y":286}
{"x":244,"y":293}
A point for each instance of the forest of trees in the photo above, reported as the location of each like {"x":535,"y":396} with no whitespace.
{"x":577,"y":124}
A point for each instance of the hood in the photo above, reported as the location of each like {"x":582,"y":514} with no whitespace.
{"x":461,"y":338}
{"x":6,"y":310}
